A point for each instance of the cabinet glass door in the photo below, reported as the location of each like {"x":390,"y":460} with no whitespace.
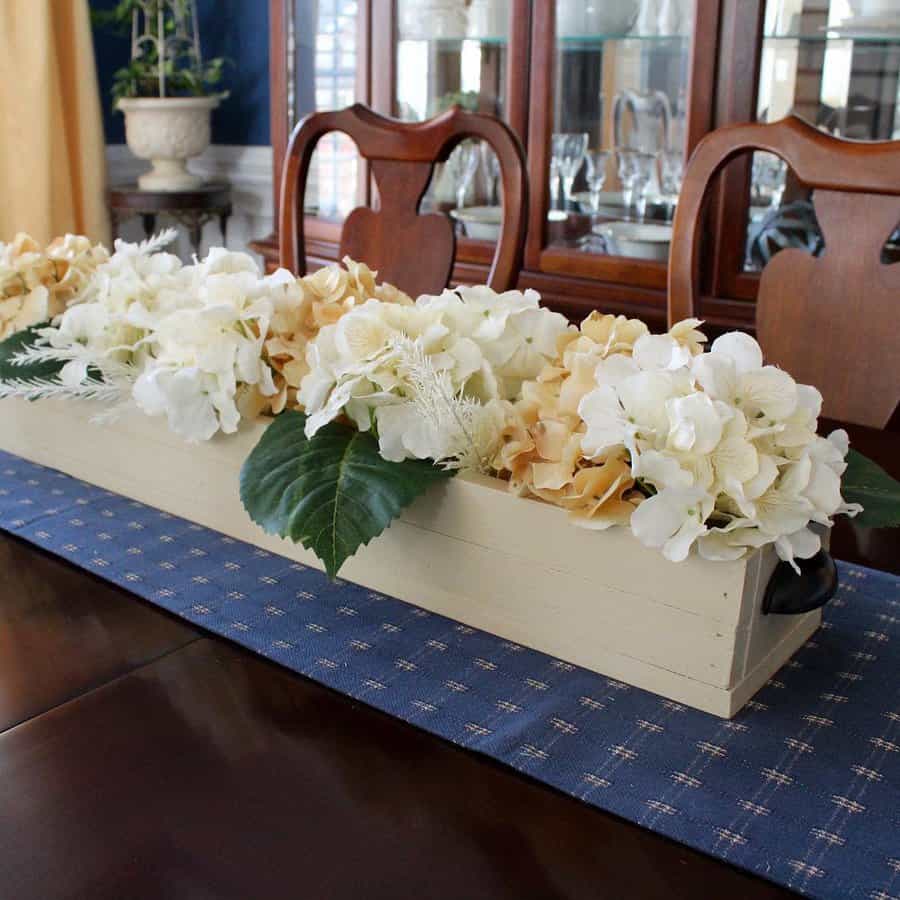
{"x":836,"y":64}
{"x":323,"y":63}
{"x":617,"y":147}
{"x":455,"y":52}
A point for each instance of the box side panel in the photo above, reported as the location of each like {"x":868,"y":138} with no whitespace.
{"x":759,"y":635}
{"x":521,"y":528}
{"x":530,"y":529}
{"x":769,"y":632}
{"x":797,"y":631}
{"x":653,"y":645}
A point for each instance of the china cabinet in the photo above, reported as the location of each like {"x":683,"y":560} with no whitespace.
{"x":609,"y":98}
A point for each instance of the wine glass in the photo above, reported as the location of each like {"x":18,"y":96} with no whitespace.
{"x":671,"y":175}
{"x":554,"y":183}
{"x":769,"y":177}
{"x":568,"y":149}
{"x":491,"y":165}
{"x":462,"y":164}
{"x":636,"y":173}
{"x":596,"y":161}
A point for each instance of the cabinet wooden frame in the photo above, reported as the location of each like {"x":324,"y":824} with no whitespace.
{"x":723,"y":78}
{"x":701,"y":79}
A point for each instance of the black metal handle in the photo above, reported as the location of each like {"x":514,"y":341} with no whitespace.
{"x":788,"y":593}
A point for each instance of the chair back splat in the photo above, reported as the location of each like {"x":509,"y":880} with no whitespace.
{"x":411,"y":250}
{"x":833,"y":320}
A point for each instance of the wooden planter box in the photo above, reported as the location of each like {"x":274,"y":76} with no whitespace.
{"x":469,"y":550}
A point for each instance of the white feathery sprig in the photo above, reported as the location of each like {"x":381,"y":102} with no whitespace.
{"x":158,"y":241}
{"x":40,"y":353}
{"x":469,"y":427}
{"x":114,"y":384}
{"x":43,"y":389}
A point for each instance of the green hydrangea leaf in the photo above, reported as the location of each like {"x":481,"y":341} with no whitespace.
{"x":333,"y":493}
{"x":866,"y":483}
{"x":18,"y":342}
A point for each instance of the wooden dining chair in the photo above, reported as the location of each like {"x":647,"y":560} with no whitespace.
{"x":831,"y":320}
{"x":412,"y":250}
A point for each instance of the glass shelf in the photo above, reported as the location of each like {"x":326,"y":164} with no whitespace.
{"x":588,"y":40}
{"x":598,"y":39}
{"x":579,"y":41}
{"x":835,"y":36}
{"x":454,"y":43}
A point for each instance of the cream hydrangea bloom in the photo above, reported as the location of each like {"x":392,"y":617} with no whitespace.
{"x":388,"y":366}
{"x":37,"y":283}
{"x":200,"y":353}
{"x":312,"y":303}
{"x":613,"y":334}
{"x":184,"y":342}
{"x":718,"y":449}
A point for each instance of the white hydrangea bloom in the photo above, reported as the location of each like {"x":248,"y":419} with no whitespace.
{"x":177,"y":340}
{"x":725,"y":446}
{"x":475,"y":347}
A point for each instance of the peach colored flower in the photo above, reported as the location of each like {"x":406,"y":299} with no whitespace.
{"x":613,"y":334}
{"x":37,"y":284}
{"x":542,"y":445}
{"x":73,"y":259}
{"x":516,"y":453}
{"x":687,"y":333}
{"x":542,"y":454}
{"x":23,"y":311}
{"x":598,"y":495}
{"x":316,"y":300}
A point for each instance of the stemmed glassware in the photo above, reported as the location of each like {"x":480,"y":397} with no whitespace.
{"x":492,"y":170}
{"x":462,"y":164}
{"x":555,"y":187}
{"x":769,"y":177}
{"x":671,"y":175}
{"x":596,"y":161}
{"x":568,"y":152}
{"x":636,"y":173}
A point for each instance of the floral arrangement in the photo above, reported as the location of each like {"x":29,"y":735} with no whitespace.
{"x":376,"y":396}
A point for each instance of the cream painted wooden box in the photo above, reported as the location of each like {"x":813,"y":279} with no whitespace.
{"x":469,"y":550}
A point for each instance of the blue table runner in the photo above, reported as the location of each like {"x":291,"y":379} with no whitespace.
{"x":802,"y":787}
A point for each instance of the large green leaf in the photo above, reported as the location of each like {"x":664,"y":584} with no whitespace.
{"x":867,"y":483}
{"x":332,"y":494}
{"x":18,"y":342}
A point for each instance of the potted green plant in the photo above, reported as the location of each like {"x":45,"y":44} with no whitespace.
{"x":166,"y":92}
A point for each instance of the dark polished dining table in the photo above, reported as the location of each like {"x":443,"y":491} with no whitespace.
{"x":143,"y":758}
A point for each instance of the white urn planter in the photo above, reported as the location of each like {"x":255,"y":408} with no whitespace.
{"x":168,"y":131}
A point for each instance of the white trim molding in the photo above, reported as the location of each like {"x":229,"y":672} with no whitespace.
{"x":247,"y":169}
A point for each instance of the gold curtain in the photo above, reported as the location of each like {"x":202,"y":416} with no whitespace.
{"x":52,"y":150}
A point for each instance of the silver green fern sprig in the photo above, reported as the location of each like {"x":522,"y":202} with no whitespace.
{"x":468,"y":427}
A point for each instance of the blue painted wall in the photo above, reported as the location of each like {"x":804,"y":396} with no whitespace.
{"x":237,"y":29}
